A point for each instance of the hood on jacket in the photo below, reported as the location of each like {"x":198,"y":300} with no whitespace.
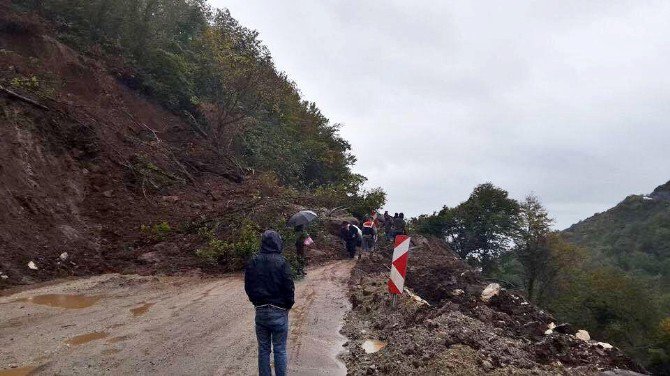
{"x":271,"y":242}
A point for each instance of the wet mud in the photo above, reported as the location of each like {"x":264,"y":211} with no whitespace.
{"x":63,"y":300}
{"x":159,"y":326}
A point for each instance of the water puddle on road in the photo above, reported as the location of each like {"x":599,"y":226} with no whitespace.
{"x":85,"y":338}
{"x":63,"y":300}
{"x":372,"y":346}
{"x":23,"y":371}
{"x":139,"y":311}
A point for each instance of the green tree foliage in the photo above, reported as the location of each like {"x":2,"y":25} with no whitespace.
{"x":614,"y":307}
{"x":660,"y":353}
{"x":203,"y":65}
{"x":541,"y":253}
{"x":481,"y":228}
{"x":634,"y":235}
{"x":359,"y":202}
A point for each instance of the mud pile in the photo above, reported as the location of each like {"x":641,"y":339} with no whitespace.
{"x":454,"y":331}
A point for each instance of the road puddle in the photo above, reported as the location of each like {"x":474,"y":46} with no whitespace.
{"x":139,"y":311}
{"x":372,"y":346}
{"x":63,"y":300}
{"x":85,"y":338}
{"x":23,"y":371}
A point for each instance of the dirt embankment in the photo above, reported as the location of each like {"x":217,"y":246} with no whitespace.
{"x":455,"y":332}
{"x":93,"y":171}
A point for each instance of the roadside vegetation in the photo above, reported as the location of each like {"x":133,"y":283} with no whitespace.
{"x":592,"y":288}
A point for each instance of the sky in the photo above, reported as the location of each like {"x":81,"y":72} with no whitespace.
{"x":567,"y":100}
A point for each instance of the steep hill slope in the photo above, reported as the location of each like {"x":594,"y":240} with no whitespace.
{"x":97,"y":175}
{"x":634,"y":235}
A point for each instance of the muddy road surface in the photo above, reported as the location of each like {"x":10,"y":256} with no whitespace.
{"x":119,"y":324}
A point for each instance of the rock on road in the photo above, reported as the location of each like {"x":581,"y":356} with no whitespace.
{"x":119,"y":324}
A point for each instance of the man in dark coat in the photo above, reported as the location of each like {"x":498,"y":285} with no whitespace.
{"x":268,"y":283}
{"x":349,"y":234}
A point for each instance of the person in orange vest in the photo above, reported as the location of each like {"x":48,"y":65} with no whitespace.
{"x":369,"y":235}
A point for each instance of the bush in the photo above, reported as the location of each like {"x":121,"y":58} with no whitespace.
{"x":232,"y":254}
{"x":159,"y":230}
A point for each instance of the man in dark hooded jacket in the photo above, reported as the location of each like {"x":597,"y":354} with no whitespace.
{"x":268,"y":283}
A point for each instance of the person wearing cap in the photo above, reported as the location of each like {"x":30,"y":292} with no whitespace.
{"x":369,"y":235}
{"x":268,"y":284}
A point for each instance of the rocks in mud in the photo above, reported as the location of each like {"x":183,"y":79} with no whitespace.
{"x":63,"y":256}
{"x":490,"y":291}
{"x":604,"y":345}
{"x":470,"y":325}
{"x":583,"y":335}
{"x":32,"y":265}
{"x":550,"y":328}
{"x":3,"y":275}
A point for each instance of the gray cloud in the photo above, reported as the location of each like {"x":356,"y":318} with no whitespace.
{"x":565,"y":99}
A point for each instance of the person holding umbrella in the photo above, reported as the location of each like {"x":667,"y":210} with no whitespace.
{"x":299,"y":221}
{"x":302,"y":240}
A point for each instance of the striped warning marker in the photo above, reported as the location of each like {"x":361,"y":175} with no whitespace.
{"x":399,"y":264}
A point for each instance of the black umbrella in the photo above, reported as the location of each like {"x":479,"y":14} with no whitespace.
{"x":302,"y":217}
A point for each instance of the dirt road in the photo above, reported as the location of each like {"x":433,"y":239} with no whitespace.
{"x":114,"y":324}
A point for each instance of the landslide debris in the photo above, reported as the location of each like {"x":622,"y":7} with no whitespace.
{"x":98,"y":178}
{"x":456,"y":332}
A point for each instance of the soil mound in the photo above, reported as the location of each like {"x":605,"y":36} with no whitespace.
{"x":454,"y":331}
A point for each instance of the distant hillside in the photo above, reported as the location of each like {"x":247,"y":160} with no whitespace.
{"x":634,"y":235}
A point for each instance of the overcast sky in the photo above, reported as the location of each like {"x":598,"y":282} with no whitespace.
{"x":569,"y":100}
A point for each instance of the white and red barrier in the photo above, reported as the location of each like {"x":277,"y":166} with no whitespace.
{"x":399,"y":265}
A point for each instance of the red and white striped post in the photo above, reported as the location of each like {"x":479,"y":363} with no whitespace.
{"x":396,"y":283}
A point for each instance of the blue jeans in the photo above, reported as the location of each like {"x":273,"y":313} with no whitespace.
{"x":271,"y":331}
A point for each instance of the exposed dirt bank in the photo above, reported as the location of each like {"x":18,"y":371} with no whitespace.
{"x":455,"y":332}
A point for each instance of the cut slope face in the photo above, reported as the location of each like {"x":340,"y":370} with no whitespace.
{"x":458,"y":332}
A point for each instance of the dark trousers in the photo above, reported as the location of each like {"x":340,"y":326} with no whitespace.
{"x":351,"y":248}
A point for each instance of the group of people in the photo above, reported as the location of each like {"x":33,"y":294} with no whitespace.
{"x":366,"y":238}
{"x":269,"y":285}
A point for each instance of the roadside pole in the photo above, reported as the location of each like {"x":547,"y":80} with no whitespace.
{"x":396,"y":281}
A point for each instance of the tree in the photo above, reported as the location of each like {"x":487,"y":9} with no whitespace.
{"x":482,"y":227}
{"x":532,"y":244}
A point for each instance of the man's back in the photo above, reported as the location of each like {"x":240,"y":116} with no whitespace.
{"x":267,"y":278}
{"x":268,"y":283}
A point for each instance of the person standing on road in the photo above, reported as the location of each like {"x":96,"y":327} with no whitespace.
{"x":369,"y":235}
{"x":268,"y":284}
{"x":398,"y":225}
{"x":302,"y":240}
{"x":388,"y":226}
{"x":349,"y":234}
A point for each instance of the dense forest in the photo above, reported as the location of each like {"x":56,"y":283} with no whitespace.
{"x":607,"y":274}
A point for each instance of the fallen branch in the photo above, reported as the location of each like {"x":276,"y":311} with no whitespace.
{"x":20,"y":97}
{"x":191,"y":120}
{"x":158,"y":140}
